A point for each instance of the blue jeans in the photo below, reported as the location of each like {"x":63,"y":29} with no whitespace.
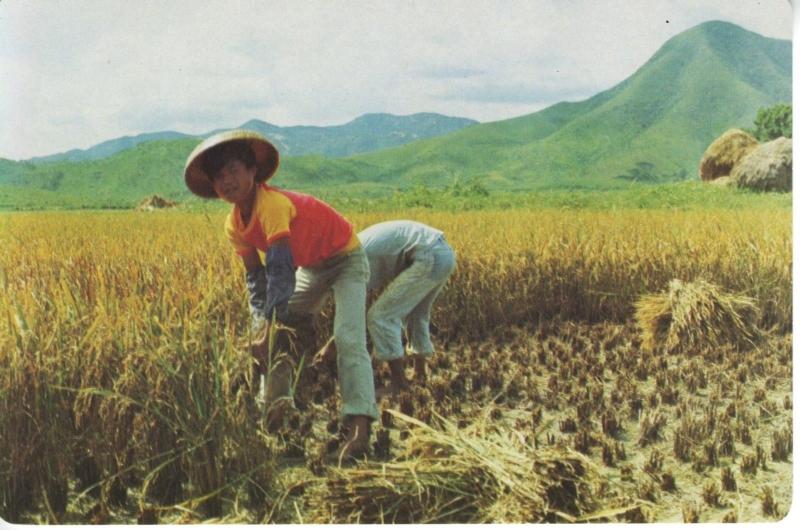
{"x":407,"y":300}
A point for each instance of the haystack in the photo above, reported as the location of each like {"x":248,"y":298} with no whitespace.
{"x":469,"y":475}
{"x":724,"y":153}
{"x":692,"y":315}
{"x":154,"y":202}
{"x":722,"y":181}
{"x":767,"y":168}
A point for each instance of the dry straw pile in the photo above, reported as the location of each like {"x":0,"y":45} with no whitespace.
{"x":697,"y":314}
{"x":724,"y":153}
{"x":155,"y":202}
{"x":469,"y":475}
{"x":767,"y":168}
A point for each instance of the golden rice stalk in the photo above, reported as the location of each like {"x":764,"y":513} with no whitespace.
{"x":470,"y":475}
{"x":695,"y":314}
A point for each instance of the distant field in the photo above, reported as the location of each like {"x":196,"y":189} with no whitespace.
{"x":121,"y":334}
{"x":457,"y":195}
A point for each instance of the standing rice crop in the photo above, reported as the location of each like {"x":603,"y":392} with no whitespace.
{"x":118,"y":354}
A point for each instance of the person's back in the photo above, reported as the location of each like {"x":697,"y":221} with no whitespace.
{"x":411,"y":262}
{"x":390,"y":247}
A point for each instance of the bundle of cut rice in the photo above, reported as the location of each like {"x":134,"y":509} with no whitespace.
{"x":724,"y":153}
{"x":471,"y":475}
{"x":154,"y":202}
{"x":766,"y":168}
{"x":695,"y":315}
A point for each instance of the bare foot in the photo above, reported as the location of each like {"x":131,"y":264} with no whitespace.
{"x":397,"y":382}
{"x":277,"y":411}
{"x":356,"y":445}
{"x":391,"y":390}
{"x":420,"y":369}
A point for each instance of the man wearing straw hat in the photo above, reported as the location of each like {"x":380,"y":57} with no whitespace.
{"x":292,"y":230}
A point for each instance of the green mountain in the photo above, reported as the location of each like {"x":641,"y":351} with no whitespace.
{"x":700,"y":83}
{"x":369,"y":132}
{"x":107,"y":148}
{"x":116,"y":181}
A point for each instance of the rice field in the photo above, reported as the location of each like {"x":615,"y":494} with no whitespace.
{"x":126,"y":383}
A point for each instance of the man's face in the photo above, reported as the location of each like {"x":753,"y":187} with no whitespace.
{"x":234,"y":181}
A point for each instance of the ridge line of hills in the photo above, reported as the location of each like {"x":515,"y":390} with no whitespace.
{"x":366,"y":133}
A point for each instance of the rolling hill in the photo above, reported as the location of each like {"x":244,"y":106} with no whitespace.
{"x":107,"y":148}
{"x":369,"y":132}
{"x":698,"y":84}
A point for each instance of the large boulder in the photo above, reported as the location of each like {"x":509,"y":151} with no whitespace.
{"x":766,"y":168}
{"x":724,"y":152}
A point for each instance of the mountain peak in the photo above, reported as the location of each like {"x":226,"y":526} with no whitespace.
{"x":715,"y":26}
{"x":379,"y":117}
{"x":257,"y":124}
{"x":719,"y":34}
{"x":725,"y":36}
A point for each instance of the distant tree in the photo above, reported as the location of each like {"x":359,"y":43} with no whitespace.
{"x":420,"y":195}
{"x":645,"y":172}
{"x":641,"y":172}
{"x":773,"y":122}
{"x":678,"y":175}
{"x":472,"y":187}
{"x":461,"y":192}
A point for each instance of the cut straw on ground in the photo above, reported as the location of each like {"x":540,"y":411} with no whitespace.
{"x":470,"y":475}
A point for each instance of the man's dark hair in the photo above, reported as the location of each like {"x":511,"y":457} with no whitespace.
{"x":219,"y":155}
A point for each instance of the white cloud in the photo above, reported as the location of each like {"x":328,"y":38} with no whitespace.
{"x":75,"y":74}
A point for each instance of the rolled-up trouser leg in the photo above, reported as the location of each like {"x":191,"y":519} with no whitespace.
{"x":385,"y":317}
{"x":419,"y":319}
{"x":418,"y":325}
{"x":350,"y":335}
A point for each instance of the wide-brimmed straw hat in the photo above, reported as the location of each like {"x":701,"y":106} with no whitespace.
{"x":199,"y":182}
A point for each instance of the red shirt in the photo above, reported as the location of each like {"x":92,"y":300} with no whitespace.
{"x":315,"y":230}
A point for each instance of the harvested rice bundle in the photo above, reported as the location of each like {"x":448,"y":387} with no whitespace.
{"x":154,"y":202}
{"x":471,"y":475}
{"x":766,"y":168}
{"x":724,"y":153}
{"x":693,"y":315}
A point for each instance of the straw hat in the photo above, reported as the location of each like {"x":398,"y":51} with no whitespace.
{"x":200,"y":183}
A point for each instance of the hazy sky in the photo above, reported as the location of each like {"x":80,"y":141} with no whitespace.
{"x":75,"y":73}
